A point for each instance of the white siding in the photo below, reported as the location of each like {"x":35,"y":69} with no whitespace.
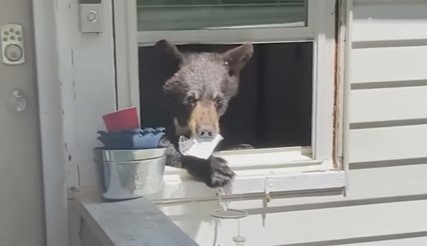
{"x":389,"y":64}
{"x":388,"y":143}
{"x":387,"y":104}
{"x":399,"y":20}
{"x":388,"y":100}
{"x":388,"y":116}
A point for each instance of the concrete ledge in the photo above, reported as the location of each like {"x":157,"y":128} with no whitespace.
{"x":128,"y":223}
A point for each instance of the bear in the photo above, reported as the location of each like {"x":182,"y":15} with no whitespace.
{"x":198,"y":95}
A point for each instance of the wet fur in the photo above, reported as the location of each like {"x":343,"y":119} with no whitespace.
{"x":211,"y":79}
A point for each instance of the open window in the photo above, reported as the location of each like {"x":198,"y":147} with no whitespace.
{"x":287,"y":102}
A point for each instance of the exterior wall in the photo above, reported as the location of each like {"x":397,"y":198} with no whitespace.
{"x":386,"y":203}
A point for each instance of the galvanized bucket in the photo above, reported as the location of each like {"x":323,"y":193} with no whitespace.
{"x":129,"y":174}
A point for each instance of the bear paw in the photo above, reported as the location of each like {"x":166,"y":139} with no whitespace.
{"x":221,"y":173}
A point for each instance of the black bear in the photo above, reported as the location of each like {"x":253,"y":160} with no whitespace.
{"x":198,"y":95}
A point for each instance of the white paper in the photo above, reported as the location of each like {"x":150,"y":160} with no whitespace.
{"x":198,"y":147}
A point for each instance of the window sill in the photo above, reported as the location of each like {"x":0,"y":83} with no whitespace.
{"x":273,"y":158}
{"x":260,"y":171}
{"x":180,"y":187}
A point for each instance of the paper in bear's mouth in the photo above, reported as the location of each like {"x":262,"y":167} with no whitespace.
{"x":198,"y":147}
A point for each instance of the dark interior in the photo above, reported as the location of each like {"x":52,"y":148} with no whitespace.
{"x":274,"y":105}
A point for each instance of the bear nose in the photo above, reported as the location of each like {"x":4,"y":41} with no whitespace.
{"x":206,"y":131}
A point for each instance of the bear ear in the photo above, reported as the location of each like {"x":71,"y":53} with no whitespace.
{"x":237,"y":58}
{"x":170,"y":49}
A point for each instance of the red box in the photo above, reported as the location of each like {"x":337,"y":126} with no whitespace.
{"x":120,"y":120}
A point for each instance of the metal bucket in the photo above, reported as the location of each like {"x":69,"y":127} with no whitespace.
{"x":129,"y":174}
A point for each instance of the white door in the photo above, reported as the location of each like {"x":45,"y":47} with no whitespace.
{"x":21,"y":193}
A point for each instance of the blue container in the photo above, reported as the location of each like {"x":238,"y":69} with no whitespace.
{"x":147,"y":138}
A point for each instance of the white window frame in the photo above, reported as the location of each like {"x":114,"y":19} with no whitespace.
{"x":282,"y":166}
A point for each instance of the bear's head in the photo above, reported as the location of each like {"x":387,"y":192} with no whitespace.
{"x":200,"y":90}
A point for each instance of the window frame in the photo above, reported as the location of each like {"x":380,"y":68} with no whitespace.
{"x":236,"y":35}
{"x":320,"y":28}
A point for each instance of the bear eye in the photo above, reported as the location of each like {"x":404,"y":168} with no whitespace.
{"x":191,"y":99}
{"x":218,"y":101}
